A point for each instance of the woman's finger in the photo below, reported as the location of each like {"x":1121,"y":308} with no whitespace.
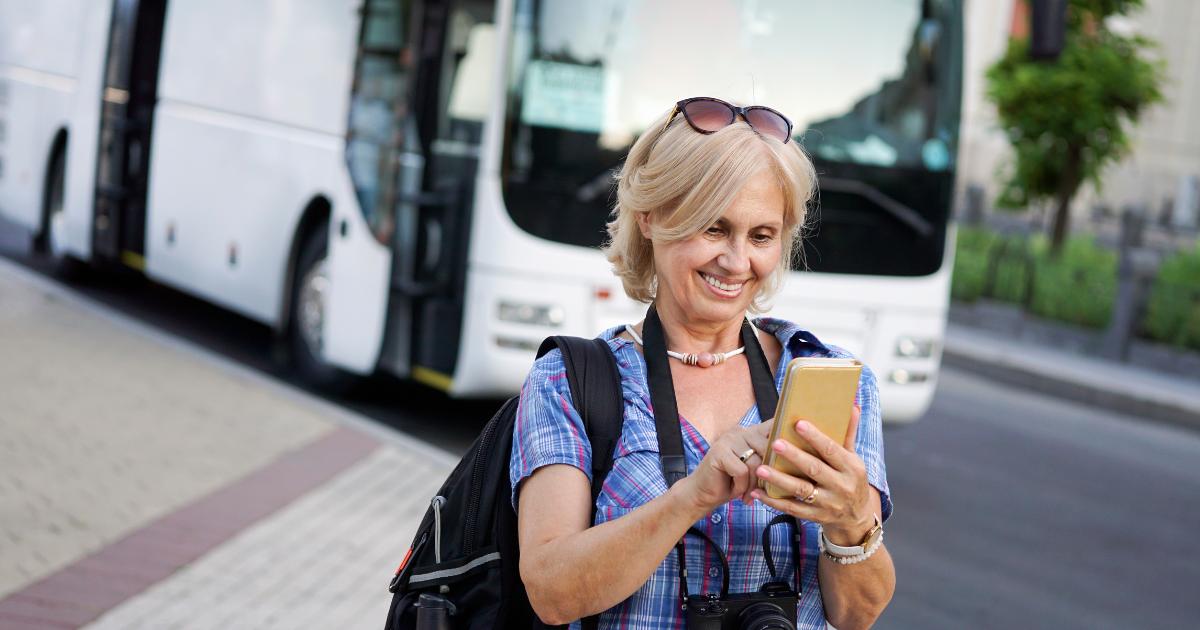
{"x":753,"y":463}
{"x":804,"y":462}
{"x":833,"y":453}
{"x":801,"y":489}
{"x":852,"y":431}
{"x":764,"y":428}
{"x":798,"y":509}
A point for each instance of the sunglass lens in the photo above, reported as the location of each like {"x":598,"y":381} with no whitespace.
{"x":708,"y":115}
{"x":768,"y":122}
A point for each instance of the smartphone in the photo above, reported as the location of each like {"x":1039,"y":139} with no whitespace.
{"x":821,"y":391}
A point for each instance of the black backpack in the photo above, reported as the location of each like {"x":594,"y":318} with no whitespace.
{"x":466,"y":548}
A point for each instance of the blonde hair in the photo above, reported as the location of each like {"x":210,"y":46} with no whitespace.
{"x":685,"y":180}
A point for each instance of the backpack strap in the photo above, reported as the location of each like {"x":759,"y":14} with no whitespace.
{"x":596,"y":389}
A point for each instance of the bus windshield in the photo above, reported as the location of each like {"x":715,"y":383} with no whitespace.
{"x":873,"y":88}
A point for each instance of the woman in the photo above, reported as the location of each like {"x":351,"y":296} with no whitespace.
{"x":709,"y":203}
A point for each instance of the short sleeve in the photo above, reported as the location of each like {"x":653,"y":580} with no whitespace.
{"x":548,"y":429}
{"x":869,"y":445}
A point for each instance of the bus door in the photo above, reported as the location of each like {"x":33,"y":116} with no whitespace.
{"x":423,"y":69}
{"x":126,"y":119}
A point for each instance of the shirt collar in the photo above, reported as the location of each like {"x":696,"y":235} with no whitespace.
{"x":791,"y":335}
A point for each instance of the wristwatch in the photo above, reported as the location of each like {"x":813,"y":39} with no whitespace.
{"x":867,"y":545}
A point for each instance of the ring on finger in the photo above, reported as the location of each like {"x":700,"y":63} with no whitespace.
{"x":811,"y":498}
{"x":746,"y":455}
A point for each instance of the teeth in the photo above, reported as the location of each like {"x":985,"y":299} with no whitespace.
{"x":720,"y":285}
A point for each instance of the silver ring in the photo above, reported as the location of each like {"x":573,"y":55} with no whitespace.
{"x":811,"y":498}
{"x":744,"y":456}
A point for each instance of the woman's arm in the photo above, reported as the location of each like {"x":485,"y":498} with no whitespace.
{"x":572,"y":570}
{"x":856,"y":594}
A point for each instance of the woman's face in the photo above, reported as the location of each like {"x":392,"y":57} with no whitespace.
{"x":714,"y":275}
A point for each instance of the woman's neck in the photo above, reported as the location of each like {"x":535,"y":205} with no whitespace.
{"x":686,"y":334}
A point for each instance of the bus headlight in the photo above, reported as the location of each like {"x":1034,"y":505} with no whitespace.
{"x":532,"y":314}
{"x":905,"y":377}
{"x":914,"y":348}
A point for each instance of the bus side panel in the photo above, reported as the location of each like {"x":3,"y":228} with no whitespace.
{"x":251,"y":125}
{"x":289,"y":63}
{"x":84,"y":141}
{"x":33,"y":108}
{"x":360,"y":274}
{"x":42,"y":48}
{"x":252,"y":108}
{"x":226,"y":194}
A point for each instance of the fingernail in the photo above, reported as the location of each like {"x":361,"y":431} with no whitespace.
{"x":762,"y":472}
{"x":755,"y":495}
{"x":779,"y":445}
{"x":802,"y":426}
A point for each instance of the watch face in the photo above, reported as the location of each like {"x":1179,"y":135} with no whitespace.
{"x":873,"y":534}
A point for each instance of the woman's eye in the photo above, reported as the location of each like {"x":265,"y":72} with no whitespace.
{"x":715,"y":231}
{"x":763,"y":238}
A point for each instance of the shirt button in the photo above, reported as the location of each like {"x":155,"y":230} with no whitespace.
{"x":716,"y":518}
{"x":713,"y":572}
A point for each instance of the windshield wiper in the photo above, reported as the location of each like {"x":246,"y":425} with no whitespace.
{"x":902,"y":213}
{"x":596,"y":186}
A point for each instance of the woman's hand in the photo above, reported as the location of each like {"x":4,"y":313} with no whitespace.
{"x":834,"y":484}
{"x":722,"y":475}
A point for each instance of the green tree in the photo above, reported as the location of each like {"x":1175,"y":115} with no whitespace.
{"x":1068,"y":119}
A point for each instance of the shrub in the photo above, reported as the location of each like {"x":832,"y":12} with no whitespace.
{"x":1173,"y":312}
{"x":970,"y":263}
{"x":1078,"y":287}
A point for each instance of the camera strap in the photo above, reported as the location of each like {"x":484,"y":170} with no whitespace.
{"x":662,"y":391}
{"x":797,"y":533}
{"x":670,"y":434}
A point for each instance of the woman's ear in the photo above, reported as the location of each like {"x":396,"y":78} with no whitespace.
{"x":643,"y":219}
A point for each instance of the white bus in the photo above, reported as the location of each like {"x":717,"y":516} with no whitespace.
{"x":419,"y":186}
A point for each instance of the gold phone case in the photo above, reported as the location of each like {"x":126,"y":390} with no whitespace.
{"x":820,"y":391}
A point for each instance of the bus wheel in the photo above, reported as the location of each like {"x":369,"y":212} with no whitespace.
{"x":310,"y":295}
{"x":50,"y":242}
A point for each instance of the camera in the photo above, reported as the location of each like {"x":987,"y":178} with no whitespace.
{"x":772,"y":606}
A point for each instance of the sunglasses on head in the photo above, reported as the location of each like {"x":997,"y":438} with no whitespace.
{"x":707,"y":115}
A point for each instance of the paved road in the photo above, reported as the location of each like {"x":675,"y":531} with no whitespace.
{"x":1014,"y":510}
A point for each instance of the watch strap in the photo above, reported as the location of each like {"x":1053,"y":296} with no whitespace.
{"x":857,"y":550}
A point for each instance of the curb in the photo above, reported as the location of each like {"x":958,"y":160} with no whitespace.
{"x":1061,"y":385}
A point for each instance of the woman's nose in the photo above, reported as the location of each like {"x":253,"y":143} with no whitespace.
{"x":736,"y":258}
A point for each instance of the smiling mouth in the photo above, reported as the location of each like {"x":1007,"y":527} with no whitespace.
{"x":724,"y":287}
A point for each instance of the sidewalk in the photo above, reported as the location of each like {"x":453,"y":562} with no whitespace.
{"x":147,"y":483}
{"x":1136,"y":391}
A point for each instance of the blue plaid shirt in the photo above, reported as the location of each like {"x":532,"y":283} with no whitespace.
{"x":549,"y":431}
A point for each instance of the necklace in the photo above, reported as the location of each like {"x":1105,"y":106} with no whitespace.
{"x":703,"y":359}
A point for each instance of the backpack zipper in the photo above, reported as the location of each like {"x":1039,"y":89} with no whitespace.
{"x":482,"y":456}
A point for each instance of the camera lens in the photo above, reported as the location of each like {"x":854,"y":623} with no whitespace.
{"x":766,"y":616}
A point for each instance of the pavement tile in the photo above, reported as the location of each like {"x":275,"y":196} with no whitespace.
{"x":21,"y":622}
{"x":135,"y":493}
{"x":322,"y":562}
{"x":104,"y":429}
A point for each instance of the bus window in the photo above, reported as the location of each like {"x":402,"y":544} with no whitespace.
{"x":871,"y":87}
{"x":377,"y":111}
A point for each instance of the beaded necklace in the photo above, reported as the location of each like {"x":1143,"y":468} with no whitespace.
{"x":703,"y":359}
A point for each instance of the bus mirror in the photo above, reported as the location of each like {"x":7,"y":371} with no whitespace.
{"x":1047,"y":29}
